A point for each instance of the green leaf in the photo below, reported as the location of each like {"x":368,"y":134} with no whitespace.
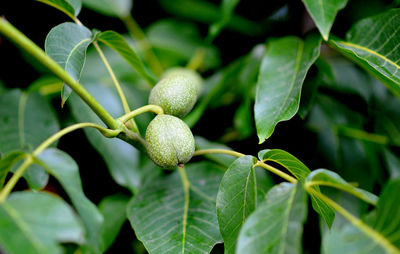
{"x":323,"y":177}
{"x":67,"y":44}
{"x":392,"y":163}
{"x":46,"y":85}
{"x":33,"y":223}
{"x":308,"y":94}
{"x":60,"y":165}
{"x":69,"y":7}
{"x":6,"y":163}
{"x":276,"y":226}
{"x":112,"y":8}
{"x":372,"y":44}
{"x":175,"y":42}
{"x":113,"y":209}
{"x":27,"y":120}
{"x":214,"y":88}
{"x":227,"y":8}
{"x":377,"y":234}
{"x":300,"y":171}
{"x":282,"y":72}
{"x":323,"y":13}
{"x":120,"y":157}
{"x":236,"y":199}
{"x":118,"y":43}
{"x":161,"y":221}
{"x":243,"y":119}
{"x":347,"y":78}
{"x":207,"y":12}
{"x":223,"y":159}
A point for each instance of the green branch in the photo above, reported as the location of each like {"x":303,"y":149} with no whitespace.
{"x":258,"y":164}
{"x":148,"y":108}
{"x":116,"y":84}
{"x":19,"y":39}
{"x":30,"y":157}
{"x":375,"y":236}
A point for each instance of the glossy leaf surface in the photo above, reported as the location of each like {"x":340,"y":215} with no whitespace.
{"x":378,"y":233}
{"x":300,"y":171}
{"x":277,"y":225}
{"x":34,"y":223}
{"x":373,"y":45}
{"x":162,"y":221}
{"x":236,"y":199}
{"x":60,"y":165}
{"x":323,"y":177}
{"x":67,"y":44}
{"x":282,"y":72}
{"x":323,"y":13}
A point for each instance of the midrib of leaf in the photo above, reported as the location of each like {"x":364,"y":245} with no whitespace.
{"x":323,"y":12}
{"x":24,"y":228}
{"x":323,"y":213}
{"x":298,"y":59}
{"x":73,"y":51}
{"x":376,"y":236}
{"x":21,"y":113}
{"x":244,"y":198}
{"x":371,"y":52}
{"x":186,"y":186}
{"x":59,"y":8}
{"x":340,"y":187}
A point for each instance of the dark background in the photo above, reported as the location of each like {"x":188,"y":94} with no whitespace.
{"x":36,"y":19}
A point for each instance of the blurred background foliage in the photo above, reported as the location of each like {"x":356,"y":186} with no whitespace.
{"x":348,"y":122}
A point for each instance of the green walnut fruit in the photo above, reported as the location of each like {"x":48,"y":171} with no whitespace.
{"x":176,"y":93}
{"x":191,"y":74}
{"x":169,"y":141}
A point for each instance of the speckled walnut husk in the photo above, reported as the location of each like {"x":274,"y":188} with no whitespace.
{"x":176,"y":94}
{"x":169,"y":141}
{"x":191,"y":74}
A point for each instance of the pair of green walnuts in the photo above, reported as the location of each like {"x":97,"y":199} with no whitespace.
{"x":170,"y":142}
